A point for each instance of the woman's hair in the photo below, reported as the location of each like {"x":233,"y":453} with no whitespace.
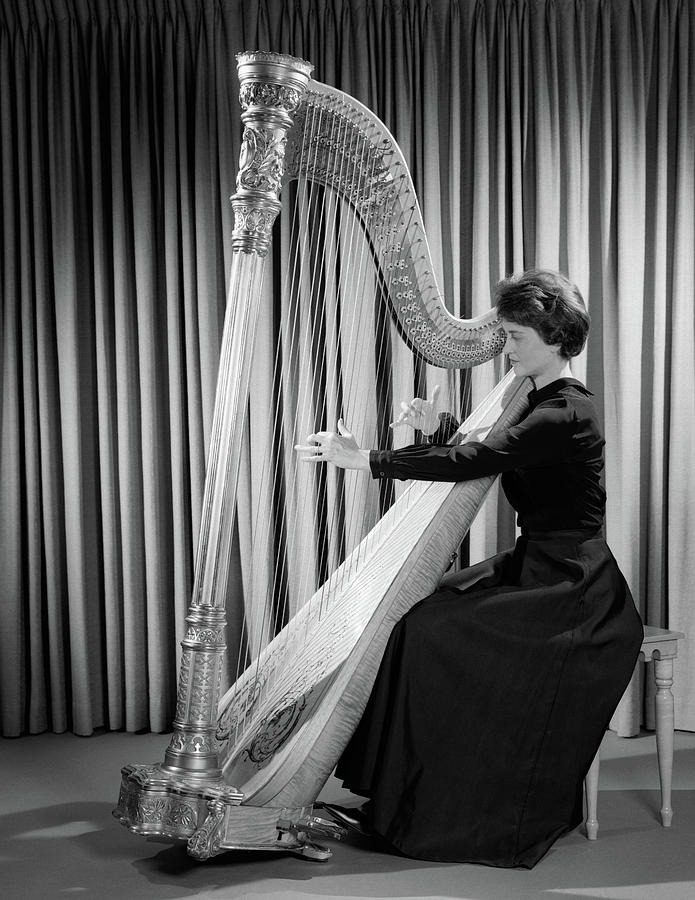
{"x":550,"y":304}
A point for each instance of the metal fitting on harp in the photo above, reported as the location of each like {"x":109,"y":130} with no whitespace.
{"x":272,"y":87}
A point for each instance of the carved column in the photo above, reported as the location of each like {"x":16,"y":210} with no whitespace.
{"x":271,"y":90}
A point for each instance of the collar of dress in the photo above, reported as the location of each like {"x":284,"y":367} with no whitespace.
{"x":537,"y":395}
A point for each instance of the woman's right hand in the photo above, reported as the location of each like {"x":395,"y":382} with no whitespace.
{"x":423,"y":415}
{"x":337,"y":447}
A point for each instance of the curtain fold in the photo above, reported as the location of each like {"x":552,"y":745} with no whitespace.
{"x":539,"y":132}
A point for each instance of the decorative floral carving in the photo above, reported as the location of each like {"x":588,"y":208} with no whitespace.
{"x":277,"y":96}
{"x":166,"y":812}
{"x":261,"y":159}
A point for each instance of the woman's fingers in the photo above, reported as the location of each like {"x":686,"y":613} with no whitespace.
{"x":413,"y":412}
{"x":314,"y":448}
{"x":323,"y":445}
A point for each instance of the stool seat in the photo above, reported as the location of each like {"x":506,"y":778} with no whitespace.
{"x":661,"y":646}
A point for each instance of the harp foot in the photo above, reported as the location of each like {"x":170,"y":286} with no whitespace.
{"x":206,"y":841}
{"x":155,"y":802}
{"x":210,"y":816}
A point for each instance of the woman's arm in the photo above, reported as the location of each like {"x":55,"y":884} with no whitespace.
{"x":543,"y":437}
{"x":341,"y":448}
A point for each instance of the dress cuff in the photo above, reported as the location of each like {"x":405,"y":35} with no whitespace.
{"x":380,"y":463}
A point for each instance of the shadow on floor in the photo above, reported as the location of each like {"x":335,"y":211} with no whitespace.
{"x":79,"y":848}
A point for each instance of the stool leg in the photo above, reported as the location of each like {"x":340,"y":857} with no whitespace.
{"x":663,"y":675}
{"x":591,"y":790}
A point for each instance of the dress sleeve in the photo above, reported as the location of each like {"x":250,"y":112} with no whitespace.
{"x":448,"y":426}
{"x":544,"y":436}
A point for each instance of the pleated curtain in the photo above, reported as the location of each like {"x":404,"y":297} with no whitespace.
{"x":556,"y":134}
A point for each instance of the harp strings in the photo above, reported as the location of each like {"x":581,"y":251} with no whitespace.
{"x":323,"y":351}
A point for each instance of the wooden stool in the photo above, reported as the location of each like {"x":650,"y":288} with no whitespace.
{"x":661,"y":646}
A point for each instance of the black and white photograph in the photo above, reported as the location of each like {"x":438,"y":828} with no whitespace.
{"x":347,"y":421}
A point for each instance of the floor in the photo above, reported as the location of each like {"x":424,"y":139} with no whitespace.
{"x":58,"y":839}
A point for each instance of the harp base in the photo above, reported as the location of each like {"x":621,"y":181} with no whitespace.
{"x":211,"y":818}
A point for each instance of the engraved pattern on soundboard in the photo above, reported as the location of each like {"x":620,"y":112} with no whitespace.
{"x":254,"y":688}
{"x":274,"y":730}
{"x":239,"y":709}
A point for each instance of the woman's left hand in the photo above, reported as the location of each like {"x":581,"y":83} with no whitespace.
{"x":339,"y":448}
{"x":422,"y":415}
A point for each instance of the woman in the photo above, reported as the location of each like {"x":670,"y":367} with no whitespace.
{"x":494,"y":692}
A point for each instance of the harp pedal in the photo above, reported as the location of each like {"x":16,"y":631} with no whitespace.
{"x":302,"y":832}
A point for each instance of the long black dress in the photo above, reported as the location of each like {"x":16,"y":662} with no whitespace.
{"x":494,"y":692}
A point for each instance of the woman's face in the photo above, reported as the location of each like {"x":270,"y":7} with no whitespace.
{"x":528,"y":352}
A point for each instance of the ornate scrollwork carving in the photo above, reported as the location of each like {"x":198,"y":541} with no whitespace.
{"x":254,"y":219}
{"x":240,"y":707}
{"x":277,"y":96}
{"x":166,"y":812}
{"x":253,"y":226}
{"x":261,"y":159}
{"x":206,"y":840}
{"x":276,"y":729}
{"x":203,"y":635}
{"x":197,"y":693}
{"x":195,"y":742}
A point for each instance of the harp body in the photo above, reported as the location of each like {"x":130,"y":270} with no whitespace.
{"x":243,"y":770}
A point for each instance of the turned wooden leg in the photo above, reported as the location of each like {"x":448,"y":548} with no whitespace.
{"x":663,"y":675}
{"x":591,"y":791}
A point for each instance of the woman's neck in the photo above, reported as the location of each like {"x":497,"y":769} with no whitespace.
{"x":562,"y":370}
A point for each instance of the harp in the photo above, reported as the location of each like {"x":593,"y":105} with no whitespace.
{"x":243,"y":770}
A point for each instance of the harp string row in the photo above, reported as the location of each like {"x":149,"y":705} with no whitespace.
{"x":337,"y":235}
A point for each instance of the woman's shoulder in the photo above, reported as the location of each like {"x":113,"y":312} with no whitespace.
{"x":567,"y":403}
{"x":581,"y":412}
{"x":563,"y":394}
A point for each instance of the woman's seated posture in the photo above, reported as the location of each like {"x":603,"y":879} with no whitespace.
{"x":495,"y":691}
